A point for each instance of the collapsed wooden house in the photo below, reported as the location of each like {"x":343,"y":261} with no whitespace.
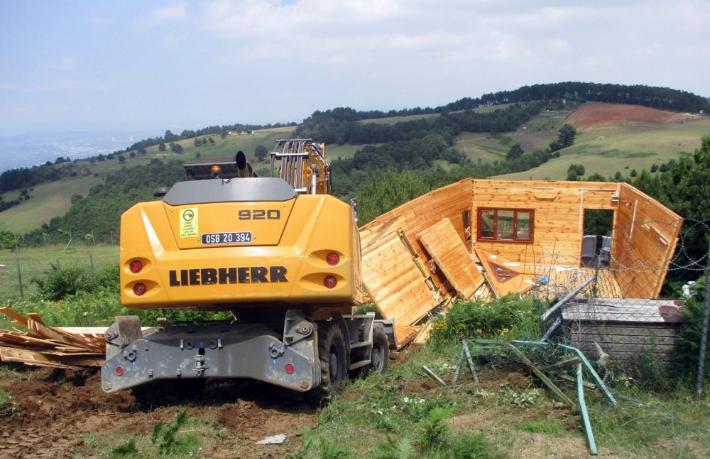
{"x":485,"y":238}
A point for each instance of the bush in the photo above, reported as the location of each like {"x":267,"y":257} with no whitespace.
{"x":509,"y":317}
{"x":60,"y":282}
{"x":688,"y":342}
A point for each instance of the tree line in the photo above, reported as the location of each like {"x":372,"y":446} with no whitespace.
{"x":650,"y":96}
{"x":341,"y":125}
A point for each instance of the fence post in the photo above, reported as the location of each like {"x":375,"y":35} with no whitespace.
{"x":19,"y":278}
{"x":703,"y":332}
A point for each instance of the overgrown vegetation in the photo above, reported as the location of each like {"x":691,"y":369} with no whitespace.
{"x":75,"y":296}
{"x":508,"y":318}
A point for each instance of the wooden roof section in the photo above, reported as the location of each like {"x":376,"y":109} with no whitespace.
{"x":451,"y":257}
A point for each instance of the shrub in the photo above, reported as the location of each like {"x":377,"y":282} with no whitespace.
{"x":688,"y":343}
{"x":508,"y":317}
{"x":58,"y":282}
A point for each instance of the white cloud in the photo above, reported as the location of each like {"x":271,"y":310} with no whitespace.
{"x":174,"y":12}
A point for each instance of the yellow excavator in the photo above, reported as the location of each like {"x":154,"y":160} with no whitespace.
{"x":280,"y":253}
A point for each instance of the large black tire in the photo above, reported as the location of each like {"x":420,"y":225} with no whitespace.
{"x":333,"y":359}
{"x":380,"y":350}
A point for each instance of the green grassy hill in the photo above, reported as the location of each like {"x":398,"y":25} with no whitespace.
{"x":602,"y":149}
{"x":606,"y":150}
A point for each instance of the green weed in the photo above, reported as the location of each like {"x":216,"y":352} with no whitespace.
{"x":543,"y":426}
{"x":392,"y":449}
{"x":124,"y":450}
{"x":473,"y":446}
{"x":165,"y":437}
{"x":8,"y":405}
{"x":435,"y":432}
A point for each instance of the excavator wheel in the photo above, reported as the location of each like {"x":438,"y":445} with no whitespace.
{"x":334,"y":361}
{"x":380,"y":350}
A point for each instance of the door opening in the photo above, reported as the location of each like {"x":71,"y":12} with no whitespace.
{"x":596,"y":243}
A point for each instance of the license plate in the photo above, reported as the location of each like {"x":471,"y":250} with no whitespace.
{"x":243,"y":237}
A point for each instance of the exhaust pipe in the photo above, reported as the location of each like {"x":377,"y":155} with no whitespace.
{"x":244,"y":169}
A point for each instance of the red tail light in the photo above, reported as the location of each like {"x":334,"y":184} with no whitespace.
{"x":119,"y":371}
{"x":330,"y":281}
{"x":135,"y":266}
{"x":289,"y":368}
{"x":139,"y":289}
{"x":332,"y":258}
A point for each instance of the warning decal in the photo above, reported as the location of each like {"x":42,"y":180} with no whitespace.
{"x":188,"y":222}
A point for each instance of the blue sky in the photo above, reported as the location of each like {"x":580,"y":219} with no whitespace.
{"x":148,"y":66}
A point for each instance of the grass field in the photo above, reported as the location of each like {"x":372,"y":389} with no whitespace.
{"x":510,"y":413}
{"x":536,"y":134}
{"x":602,"y":150}
{"x":36,"y":260}
{"x":53,"y":199}
{"x":606,"y":150}
{"x":46,"y":201}
{"x":397,"y":119}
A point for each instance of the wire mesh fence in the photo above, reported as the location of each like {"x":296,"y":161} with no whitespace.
{"x":19,"y":267}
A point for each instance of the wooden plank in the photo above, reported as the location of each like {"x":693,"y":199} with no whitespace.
{"x":450,"y":255}
{"x":399,"y":290}
{"x":518,"y":282}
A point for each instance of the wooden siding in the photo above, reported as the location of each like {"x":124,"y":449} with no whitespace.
{"x":417,"y":215}
{"x":559,"y":216}
{"x":450,"y":255}
{"x":643,"y":241}
{"x":397,"y":285}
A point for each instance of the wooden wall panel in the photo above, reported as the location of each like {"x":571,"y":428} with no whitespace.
{"x":451,"y":256}
{"x":643,"y":242}
{"x":396,"y":284}
{"x":417,"y":215}
{"x":559,"y":216}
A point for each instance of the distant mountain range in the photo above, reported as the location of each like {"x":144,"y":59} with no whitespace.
{"x":34,"y":148}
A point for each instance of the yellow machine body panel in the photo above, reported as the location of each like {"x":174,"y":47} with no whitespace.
{"x":284,"y":259}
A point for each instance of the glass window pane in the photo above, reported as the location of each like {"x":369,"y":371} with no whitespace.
{"x":487,"y":223}
{"x":523,"y":226}
{"x":505,"y":224}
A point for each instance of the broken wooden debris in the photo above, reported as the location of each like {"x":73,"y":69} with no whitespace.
{"x":54,"y":347}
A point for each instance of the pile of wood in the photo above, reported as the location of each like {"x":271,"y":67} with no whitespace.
{"x":55,"y":347}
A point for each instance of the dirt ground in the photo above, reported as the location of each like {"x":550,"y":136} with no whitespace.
{"x":58,"y":412}
{"x":597,"y":114}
